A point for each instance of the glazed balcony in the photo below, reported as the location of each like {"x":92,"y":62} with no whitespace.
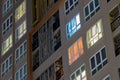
{"x":115,"y":24}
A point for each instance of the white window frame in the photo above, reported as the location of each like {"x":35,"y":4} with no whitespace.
{"x":96,"y":60}
{"x":89,"y":8}
{"x":80,"y":71}
{"x":23,"y":28}
{"x":74,"y":2}
{"x":22,"y":54}
{"x":23,"y":75}
{"x":7,"y":7}
{"x":5,"y":22}
{"x":106,"y":77}
{"x":9,"y":65}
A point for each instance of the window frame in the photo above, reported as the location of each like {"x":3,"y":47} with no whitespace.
{"x":108,"y":76}
{"x":17,"y":59}
{"x":20,"y":11}
{"x":90,"y":12}
{"x":18,"y":71}
{"x":76,"y":26}
{"x":71,"y":48}
{"x":6,"y":69}
{"x":5,"y":22}
{"x":5,"y":48}
{"x":8,"y":8}
{"x":70,"y":7}
{"x":21,"y":30}
{"x":96,"y":65}
{"x":90,"y":38}
{"x":74,"y":73}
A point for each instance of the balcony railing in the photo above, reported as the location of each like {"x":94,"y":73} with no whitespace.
{"x":115,"y":23}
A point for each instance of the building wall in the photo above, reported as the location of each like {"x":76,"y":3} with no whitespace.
{"x":44,"y":14}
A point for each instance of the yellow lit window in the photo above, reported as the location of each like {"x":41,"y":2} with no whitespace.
{"x":20,"y":11}
{"x":7,"y":44}
{"x":94,"y":33}
{"x":75,"y":51}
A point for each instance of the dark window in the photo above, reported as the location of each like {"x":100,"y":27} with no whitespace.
{"x":35,"y":42}
{"x":7,"y":22}
{"x":55,"y":1}
{"x":108,"y":0}
{"x":4,"y":26}
{"x":66,"y":5}
{"x":117,"y":45}
{"x":8,"y":4}
{"x":93,"y":63}
{"x":98,"y":58}
{"x":56,"y":24}
{"x":98,"y":61}
{"x":71,"y":2}
{"x":86,"y":11}
{"x":73,"y":77}
{"x":96,"y":3}
{"x":10,"y":19}
{"x":36,"y":60}
{"x":91,"y":6}
{"x":103,"y":52}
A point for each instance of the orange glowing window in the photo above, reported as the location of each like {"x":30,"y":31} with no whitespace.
{"x":75,"y":51}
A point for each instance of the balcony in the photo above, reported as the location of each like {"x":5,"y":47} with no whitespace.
{"x":115,"y":24}
{"x":117,"y":45}
{"x":115,"y":18}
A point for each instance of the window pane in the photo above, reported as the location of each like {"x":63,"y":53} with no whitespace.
{"x":71,"y":2}
{"x":73,"y":77}
{"x":10,"y":19}
{"x":92,"y":62}
{"x":21,"y":72}
{"x":78,"y":19}
{"x":96,"y":3}
{"x":66,"y":5}
{"x":103,"y":52}
{"x":86,"y":11}
{"x":91,"y":6}
{"x":98,"y":58}
{"x":10,"y":61}
{"x":17,"y":76}
{"x":25,"y":69}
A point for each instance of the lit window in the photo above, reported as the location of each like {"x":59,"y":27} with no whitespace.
{"x":7,"y":6}
{"x":21,"y":74}
{"x":69,"y":5}
{"x":21,"y":30}
{"x":107,"y":78}
{"x":7,"y":24}
{"x":20,"y":11}
{"x":91,"y":8}
{"x":73,"y":26}
{"x":98,"y":60}
{"x":75,"y":51}
{"x":7,"y":44}
{"x":6,"y":65}
{"x":94,"y":33}
{"x":79,"y":74}
{"x":21,"y":51}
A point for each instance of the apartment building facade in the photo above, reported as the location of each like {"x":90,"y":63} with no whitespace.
{"x":60,"y":40}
